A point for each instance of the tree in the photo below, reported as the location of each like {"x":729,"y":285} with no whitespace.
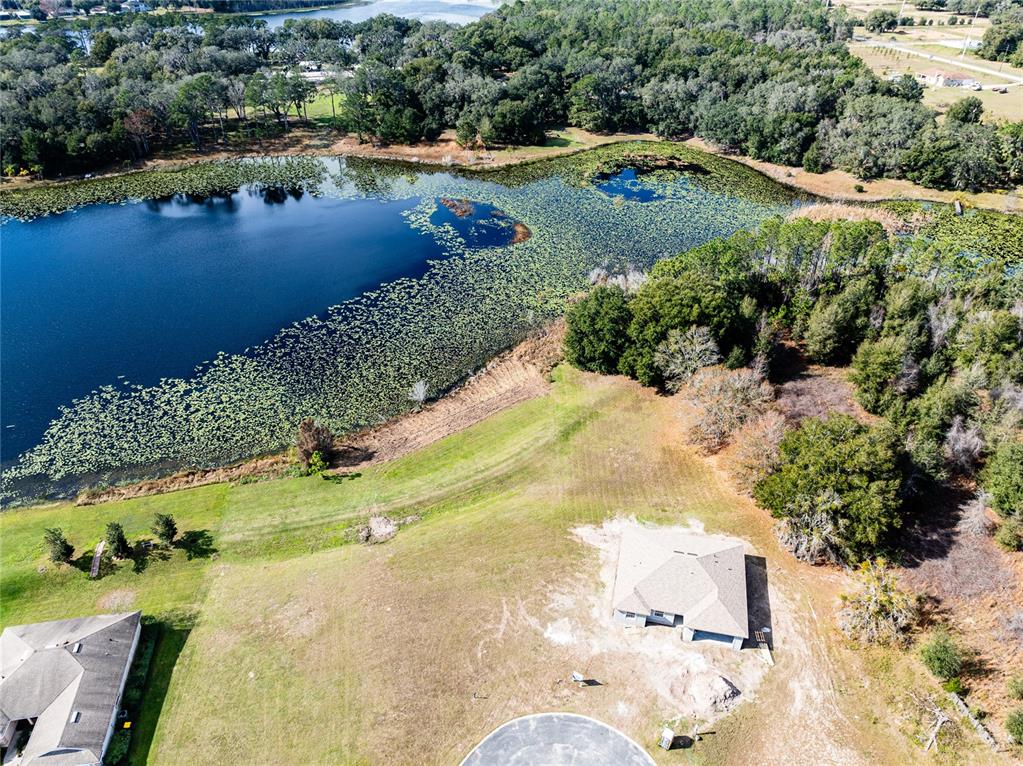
{"x":165,"y":528}
{"x":117,"y":543}
{"x":881,"y":20}
{"x":724,"y":401}
{"x":756,"y":450}
{"x":60,"y":549}
{"x":838,"y":326}
{"x":1002,"y":479}
{"x":682,"y":354}
{"x":597,"y":330}
{"x":883,"y":373}
{"x":845,"y":470}
{"x":878,"y":611}
{"x":966,"y":110}
{"x":942,"y":655}
{"x":313,"y":437}
{"x":513,"y":122}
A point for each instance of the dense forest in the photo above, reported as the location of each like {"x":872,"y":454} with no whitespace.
{"x":773,"y":80}
{"x":929,"y":327}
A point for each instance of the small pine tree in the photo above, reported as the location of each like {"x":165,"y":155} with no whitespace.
{"x":61,"y":550}
{"x":1014,"y":725}
{"x":164,"y":528}
{"x":878,"y":612}
{"x":1015,"y":687}
{"x":117,"y":543}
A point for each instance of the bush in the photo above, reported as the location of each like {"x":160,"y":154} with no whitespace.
{"x":878,"y":612}
{"x":880,"y":20}
{"x":317,"y":464}
{"x":683,"y":354}
{"x":60,"y":549}
{"x":724,"y":401}
{"x":313,"y":438}
{"x":845,"y":470}
{"x":1002,"y":479}
{"x":117,"y":750}
{"x":598,"y":330}
{"x":1014,"y":725}
{"x":1010,"y":535}
{"x":756,"y":450}
{"x":942,"y":655}
{"x":954,"y":685}
{"x":1015,"y":687}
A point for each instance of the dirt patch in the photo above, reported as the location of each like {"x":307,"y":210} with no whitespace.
{"x":815,"y":391}
{"x":522,"y":233}
{"x":462,"y":208}
{"x":116,"y":600}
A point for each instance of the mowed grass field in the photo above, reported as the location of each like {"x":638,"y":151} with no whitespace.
{"x":287,"y":644}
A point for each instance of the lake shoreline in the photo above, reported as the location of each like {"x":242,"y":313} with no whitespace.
{"x":444,"y":153}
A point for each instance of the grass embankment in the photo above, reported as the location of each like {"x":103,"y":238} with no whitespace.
{"x":305,"y":650}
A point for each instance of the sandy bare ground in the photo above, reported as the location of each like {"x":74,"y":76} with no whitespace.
{"x":839,"y":185}
{"x":510,"y":378}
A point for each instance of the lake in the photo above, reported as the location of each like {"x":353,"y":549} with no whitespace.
{"x":195,"y":330}
{"x":453,"y":12}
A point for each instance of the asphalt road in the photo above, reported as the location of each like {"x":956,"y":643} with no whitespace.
{"x":557,"y":739}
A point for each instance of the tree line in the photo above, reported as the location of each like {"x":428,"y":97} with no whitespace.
{"x":932,"y":336}
{"x":773,"y":80}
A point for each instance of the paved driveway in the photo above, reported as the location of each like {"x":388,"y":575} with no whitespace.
{"x":557,"y":739}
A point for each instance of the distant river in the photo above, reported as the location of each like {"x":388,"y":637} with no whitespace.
{"x":452,"y":11}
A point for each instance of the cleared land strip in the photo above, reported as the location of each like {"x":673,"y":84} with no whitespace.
{"x":1016,"y":79}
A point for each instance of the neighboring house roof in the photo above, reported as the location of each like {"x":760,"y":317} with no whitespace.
{"x":71,"y":690}
{"x":700,"y":577}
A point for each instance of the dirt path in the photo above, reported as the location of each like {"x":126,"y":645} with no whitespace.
{"x":510,"y":378}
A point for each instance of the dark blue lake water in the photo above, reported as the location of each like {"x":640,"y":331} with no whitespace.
{"x":451,"y":11}
{"x":147,"y":290}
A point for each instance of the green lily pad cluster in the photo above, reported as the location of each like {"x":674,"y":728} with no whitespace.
{"x":354,"y":365}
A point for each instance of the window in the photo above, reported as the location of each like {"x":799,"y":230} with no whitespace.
{"x":76,"y":716}
{"x":630,"y":615}
{"x":657,"y":614}
{"x":77,"y":648}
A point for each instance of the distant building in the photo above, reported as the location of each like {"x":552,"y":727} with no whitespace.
{"x":63,"y":680}
{"x":134,"y":6}
{"x":696,"y":581}
{"x":941,"y":79}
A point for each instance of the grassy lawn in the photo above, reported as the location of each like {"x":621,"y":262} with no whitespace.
{"x":287,"y":645}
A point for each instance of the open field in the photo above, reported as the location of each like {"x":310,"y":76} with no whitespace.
{"x":303,"y":649}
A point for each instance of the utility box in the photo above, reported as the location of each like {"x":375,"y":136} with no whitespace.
{"x":667,"y":738}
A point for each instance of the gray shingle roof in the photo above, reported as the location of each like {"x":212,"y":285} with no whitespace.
{"x":701,"y":577}
{"x":45,"y":674}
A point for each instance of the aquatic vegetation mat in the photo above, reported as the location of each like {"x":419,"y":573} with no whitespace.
{"x":356,"y":364}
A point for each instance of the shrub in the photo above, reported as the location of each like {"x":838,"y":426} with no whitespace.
{"x":809,"y":530}
{"x":60,"y":549}
{"x":1014,"y":725}
{"x":877,"y":612}
{"x":881,"y":20}
{"x":756,"y":450}
{"x":1003,"y":478}
{"x":1015,"y":687}
{"x":845,"y":470}
{"x":317,"y":464}
{"x":165,"y":528}
{"x":954,"y":685}
{"x":1010,"y":535}
{"x":117,"y":543}
{"x":724,"y":401}
{"x":312,"y":438}
{"x":683,"y":354}
{"x":117,"y":750}
{"x":598,"y":330}
{"x":942,"y":655}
